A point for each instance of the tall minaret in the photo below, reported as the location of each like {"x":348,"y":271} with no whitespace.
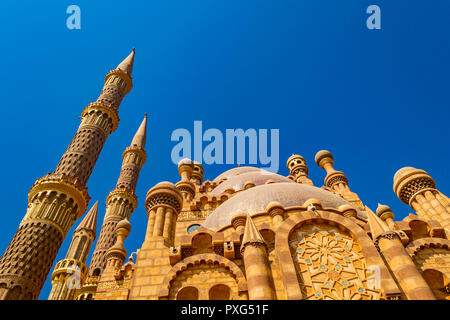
{"x":70,"y":273}
{"x":58,"y":199}
{"x":122,"y":201}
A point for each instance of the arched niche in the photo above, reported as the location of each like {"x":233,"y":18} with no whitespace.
{"x":219,"y":292}
{"x":324,"y":255}
{"x":187,"y":293}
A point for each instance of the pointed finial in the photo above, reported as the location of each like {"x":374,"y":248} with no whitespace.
{"x":127,"y":64}
{"x":140,"y":137}
{"x":251,"y":234}
{"x":89,"y":222}
{"x":377,"y":226}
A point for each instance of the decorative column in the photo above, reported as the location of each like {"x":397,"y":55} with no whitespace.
{"x":58,"y":199}
{"x":416,"y":188}
{"x":122,"y":201}
{"x":405,"y":271}
{"x":256,"y":262}
{"x":337,"y":180}
{"x":69,"y":274}
{"x":298,"y":169}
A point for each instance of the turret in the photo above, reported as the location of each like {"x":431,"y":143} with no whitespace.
{"x":337,"y":180}
{"x":197,"y":174}
{"x":163,"y":204}
{"x":58,"y":199}
{"x":416,"y":188}
{"x":187,"y":188}
{"x":298,"y":169}
{"x":69,"y":274}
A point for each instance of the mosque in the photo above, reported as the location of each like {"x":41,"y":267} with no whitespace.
{"x":248,"y":234}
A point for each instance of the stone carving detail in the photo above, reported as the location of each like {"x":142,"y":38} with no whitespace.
{"x":416,"y":185}
{"x":330,"y":265}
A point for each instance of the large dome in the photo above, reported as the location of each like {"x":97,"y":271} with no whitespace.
{"x":256,"y":199}
{"x":236,"y":179}
{"x":234,"y":172}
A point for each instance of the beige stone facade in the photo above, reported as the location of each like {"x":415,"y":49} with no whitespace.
{"x":247,"y":234}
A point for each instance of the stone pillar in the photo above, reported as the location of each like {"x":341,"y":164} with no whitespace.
{"x":57,"y":200}
{"x":256,"y":262}
{"x":416,"y":188}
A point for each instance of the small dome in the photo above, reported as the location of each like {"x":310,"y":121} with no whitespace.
{"x":402,"y":172}
{"x":185,"y":161}
{"x":294,"y":156}
{"x":321,"y":155}
{"x":234,"y":172}
{"x":256,"y":199}
{"x":382,"y":209}
{"x":124,"y":224}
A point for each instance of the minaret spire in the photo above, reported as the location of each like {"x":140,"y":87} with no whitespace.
{"x":90,"y":220}
{"x":127,"y":64}
{"x":139,"y":138}
{"x":251,"y":234}
{"x":377,"y":226}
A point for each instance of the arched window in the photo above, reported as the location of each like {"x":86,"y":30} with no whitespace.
{"x":219,"y":292}
{"x":192,"y":228}
{"x":187,"y":293}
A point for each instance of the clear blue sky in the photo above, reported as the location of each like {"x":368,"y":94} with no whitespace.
{"x":378,"y":100}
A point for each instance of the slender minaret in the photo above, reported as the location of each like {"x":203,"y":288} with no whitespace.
{"x":298,"y":169}
{"x":122,"y":201}
{"x":69,"y":274}
{"x":337,"y":180}
{"x":58,"y":199}
{"x":389,"y":244}
{"x":256,"y":262}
